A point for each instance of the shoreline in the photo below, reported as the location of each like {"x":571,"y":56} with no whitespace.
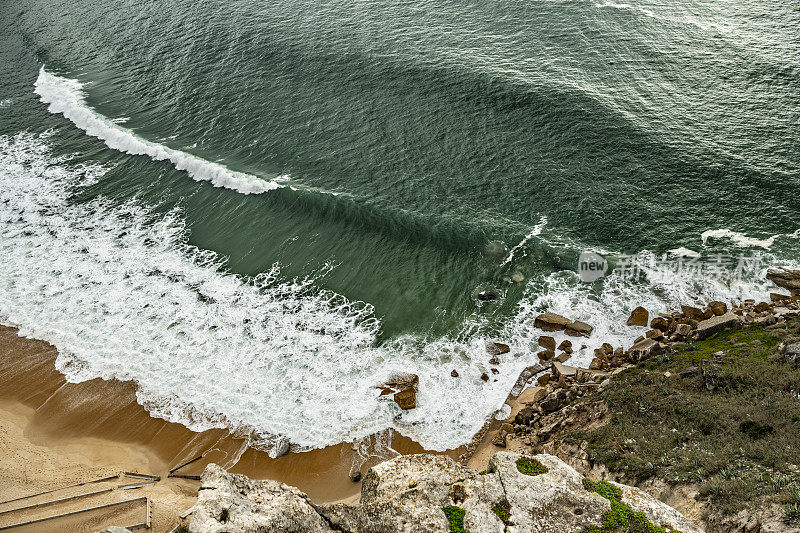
{"x":37,"y":396}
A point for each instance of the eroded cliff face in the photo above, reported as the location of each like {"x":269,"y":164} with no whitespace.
{"x":432,"y":493}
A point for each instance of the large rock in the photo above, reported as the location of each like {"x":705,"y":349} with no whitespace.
{"x":246,"y":505}
{"x":645,"y":350}
{"x":639,"y":317}
{"x":547,"y":342}
{"x":579,"y":329}
{"x":551,"y":322}
{"x":707,"y":328}
{"x":407,"y":494}
{"x":404,"y":388}
{"x":788,"y":279}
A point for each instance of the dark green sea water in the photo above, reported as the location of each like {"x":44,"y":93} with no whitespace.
{"x":276,"y":205}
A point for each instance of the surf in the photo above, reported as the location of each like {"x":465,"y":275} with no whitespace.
{"x":66,"y":96}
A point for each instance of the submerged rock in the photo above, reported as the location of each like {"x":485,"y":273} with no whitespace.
{"x":497,"y":348}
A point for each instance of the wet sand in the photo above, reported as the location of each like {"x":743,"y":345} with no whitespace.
{"x":77,"y":430}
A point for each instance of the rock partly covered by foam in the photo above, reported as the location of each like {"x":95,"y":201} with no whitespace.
{"x":234,"y":503}
{"x":414,"y":492}
{"x":788,"y":279}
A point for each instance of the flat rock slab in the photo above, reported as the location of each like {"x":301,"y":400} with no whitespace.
{"x":708,"y":327}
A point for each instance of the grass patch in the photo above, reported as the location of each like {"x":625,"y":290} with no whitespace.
{"x":531,"y":467}
{"x":455,"y":518}
{"x":731,"y":427}
{"x":754,"y":430}
{"x":413,"y":485}
{"x":503,"y":511}
{"x":621,"y":518}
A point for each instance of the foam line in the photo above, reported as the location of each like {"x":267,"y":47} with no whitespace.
{"x":66,"y":97}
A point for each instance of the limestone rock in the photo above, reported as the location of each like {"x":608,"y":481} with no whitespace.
{"x":645,"y":349}
{"x":252,"y":506}
{"x":639,"y":317}
{"x":408,"y":493}
{"x":551,"y":322}
{"x":708,"y":327}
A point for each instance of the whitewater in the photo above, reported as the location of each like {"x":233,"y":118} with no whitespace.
{"x":120,"y":293}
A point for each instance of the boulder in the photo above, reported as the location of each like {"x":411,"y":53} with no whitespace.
{"x":497,"y":348}
{"x":251,"y":506}
{"x":691,"y":312}
{"x":578,"y":329}
{"x":654,"y":334}
{"x":777,"y":297}
{"x":718,"y":308}
{"x":404,"y":388}
{"x":565,"y":346}
{"x":560,"y":369}
{"x":551,"y":322}
{"x":546,"y":355}
{"x":563,"y":357}
{"x":406,"y":399}
{"x":788,"y":279}
{"x":547,"y":342}
{"x":683,"y":329}
{"x":639,"y":317}
{"x":660,"y":323}
{"x":645,"y":350}
{"x":454,"y":373}
{"x":791,"y":354}
{"x":708,"y":327}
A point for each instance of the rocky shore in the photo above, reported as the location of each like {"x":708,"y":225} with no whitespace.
{"x":558,"y":462}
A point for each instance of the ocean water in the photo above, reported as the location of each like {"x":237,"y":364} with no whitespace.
{"x":258,"y":212}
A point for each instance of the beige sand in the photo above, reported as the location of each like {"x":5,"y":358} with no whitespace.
{"x":55,"y":433}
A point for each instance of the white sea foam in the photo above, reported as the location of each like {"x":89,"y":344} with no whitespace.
{"x":537,"y":230}
{"x":684,"y":252}
{"x":66,"y":96}
{"x":739,"y":239}
{"x":120,"y":293}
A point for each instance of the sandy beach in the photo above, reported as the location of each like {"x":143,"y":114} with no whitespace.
{"x":56,"y":433}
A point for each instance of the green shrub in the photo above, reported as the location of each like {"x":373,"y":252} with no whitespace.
{"x":621,"y":518}
{"x":455,"y":518}
{"x":754,"y":430}
{"x":503,"y":511}
{"x":224,"y":516}
{"x":531,"y":467}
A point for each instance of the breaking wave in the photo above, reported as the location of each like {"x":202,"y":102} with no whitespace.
{"x":66,"y":96}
